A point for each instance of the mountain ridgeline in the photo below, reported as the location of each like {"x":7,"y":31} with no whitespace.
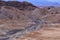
{"x":20,"y":5}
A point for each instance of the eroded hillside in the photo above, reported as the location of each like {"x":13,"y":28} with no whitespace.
{"x":24,"y":21}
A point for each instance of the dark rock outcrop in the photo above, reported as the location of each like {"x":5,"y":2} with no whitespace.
{"x":20,"y":5}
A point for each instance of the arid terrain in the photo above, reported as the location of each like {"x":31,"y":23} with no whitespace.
{"x":24,"y":21}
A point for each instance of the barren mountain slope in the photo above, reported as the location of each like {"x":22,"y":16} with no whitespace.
{"x":26,"y":24}
{"x":12,"y":18}
{"x":20,"y":5}
{"x":50,"y":30}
